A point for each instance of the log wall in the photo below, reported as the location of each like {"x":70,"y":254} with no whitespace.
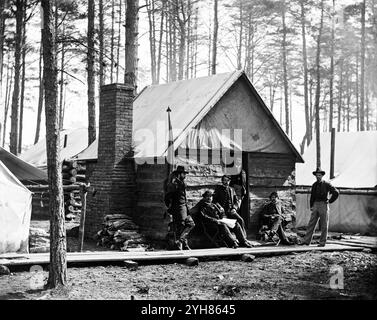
{"x":268,"y":173}
{"x":150,"y":207}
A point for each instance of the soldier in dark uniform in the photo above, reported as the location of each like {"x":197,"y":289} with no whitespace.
{"x":227,"y":198}
{"x":211,"y":214}
{"x":176,"y":201}
{"x":238,"y":181}
{"x":272,"y":216}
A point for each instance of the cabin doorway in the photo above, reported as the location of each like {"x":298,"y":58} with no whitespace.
{"x":245,"y":205}
{"x":241,"y":182}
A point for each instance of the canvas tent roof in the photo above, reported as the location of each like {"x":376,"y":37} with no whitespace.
{"x":76,"y":141}
{"x":355,"y":160}
{"x":190,"y":101}
{"x":15,"y":212}
{"x":21,"y":169}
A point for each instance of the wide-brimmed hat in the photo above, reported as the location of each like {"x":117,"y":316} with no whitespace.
{"x":181,"y":169}
{"x":208,"y":193}
{"x":319,"y":171}
{"x":226,"y":176}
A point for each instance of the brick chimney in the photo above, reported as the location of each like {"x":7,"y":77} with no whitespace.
{"x":114,"y":176}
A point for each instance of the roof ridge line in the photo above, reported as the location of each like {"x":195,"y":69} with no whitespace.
{"x":234,"y":78}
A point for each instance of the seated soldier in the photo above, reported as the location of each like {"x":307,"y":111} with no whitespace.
{"x":211,"y":214}
{"x":272,"y":217}
{"x":226,"y":197}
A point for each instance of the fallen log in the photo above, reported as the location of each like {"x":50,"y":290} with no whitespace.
{"x":73,"y":203}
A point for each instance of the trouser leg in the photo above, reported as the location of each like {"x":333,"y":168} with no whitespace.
{"x":278,"y":228}
{"x":276,"y":223}
{"x":239,"y":233}
{"x":234,"y":215}
{"x":282,"y":235}
{"x":311,"y":226}
{"x":324,"y":221}
{"x":225,"y":232}
{"x":187,"y":225}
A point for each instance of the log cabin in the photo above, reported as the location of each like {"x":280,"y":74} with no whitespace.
{"x":213,"y":119}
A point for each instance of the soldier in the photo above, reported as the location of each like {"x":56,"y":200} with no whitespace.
{"x":319,"y":205}
{"x":227,"y":198}
{"x":176,"y":201}
{"x":212,"y":213}
{"x":238,"y":181}
{"x":272,"y":214}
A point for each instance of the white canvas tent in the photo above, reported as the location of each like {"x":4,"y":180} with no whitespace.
{"x":15,"y":213}
{"x":71,"y":143}
{"x":355,"y":173}
{"x":24,"y":171}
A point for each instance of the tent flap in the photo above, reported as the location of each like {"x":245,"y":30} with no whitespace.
{"x":15,"y":213}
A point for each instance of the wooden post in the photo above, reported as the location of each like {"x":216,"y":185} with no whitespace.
{"x":332,"y":154}
{"x":83,"y":192}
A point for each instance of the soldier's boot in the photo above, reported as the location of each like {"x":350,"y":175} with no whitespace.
{"x":185,"y":245}
{"x":178,"y":245}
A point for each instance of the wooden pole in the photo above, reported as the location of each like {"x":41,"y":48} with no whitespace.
{"x":332,"y":154}
{"x":83,"y":193}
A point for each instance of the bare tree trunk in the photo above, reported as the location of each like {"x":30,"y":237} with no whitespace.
{"x":281,"y":107}
{"x":348,"y":103}
{"x":311,"y":106}
{"x":2,"y":37}
{"x":332,"y":66}
{"x":209,"y":45}
{"x":91,"y":77}
{"x":215,"y":34}
{"x":239,"y":50}
{"x":182,"y":39}
{"x":188,"y":40}
{"x":9,"y":84}
{"x":112,"y":41}
{"x":318,"y":89}
{"x":13,"y":143}
{"x":367,"y":110}
{"x":173,"y":68}
{"x":132,"y":19}
{"x":101,"y":45}
{"x":160,"y":42}
{"x":167,"y":43}
{"x":248,"y":47}
{"x":61,"y":86}
{"x":357,"y":93}
{"x":285,"y":72}
{"x":340,"y":96}
{"x":41,"y":90}
{"x":290,"y":114}
{"x":305,"y":63}
{"x":152,"y":39}
{"x":23,"y":70}
{"x":58,"y":244}
{"x":195,"y":56}
{"x":119,"y":44}
{"x":362,"y":67}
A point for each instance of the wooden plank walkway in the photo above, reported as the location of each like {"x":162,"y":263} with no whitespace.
{"x":115,"y":256}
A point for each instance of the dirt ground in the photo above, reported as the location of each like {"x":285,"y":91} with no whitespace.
{"x":295,"y":276}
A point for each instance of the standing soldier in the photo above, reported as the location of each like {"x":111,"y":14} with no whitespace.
{"x":238,"y":181}
{"x":176,"y":201}
{"x":319,"y":205}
